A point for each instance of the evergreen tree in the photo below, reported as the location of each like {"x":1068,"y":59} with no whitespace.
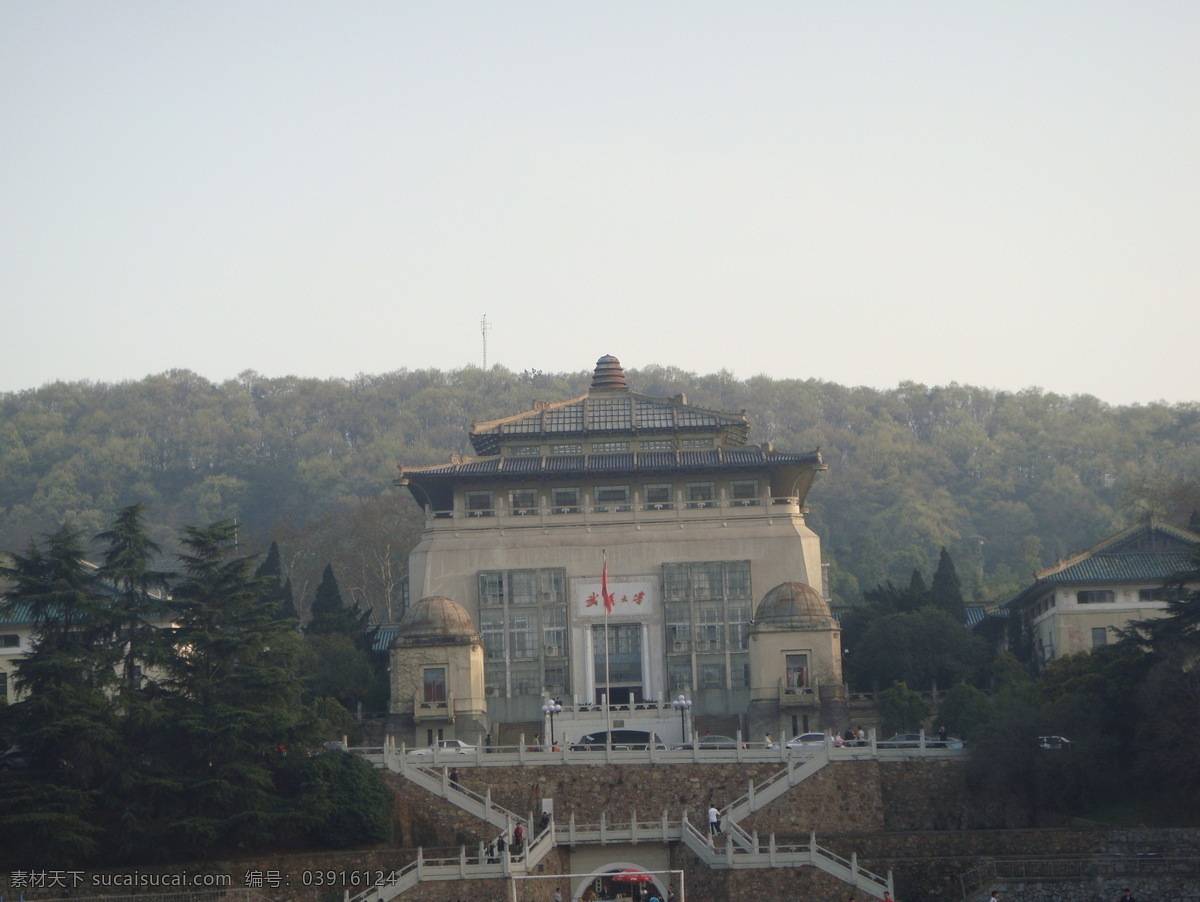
{"x":331,"y":615}
{"x":277,"y":592}
{"x":64,"y":720}
{"x":946,"y":591}
{"x":234,"y":698}
{"x":139,"y":593}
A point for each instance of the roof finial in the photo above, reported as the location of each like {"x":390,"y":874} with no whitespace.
{"x":609,"y":375}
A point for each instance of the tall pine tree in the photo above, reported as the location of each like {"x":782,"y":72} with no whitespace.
{"x":234,"y":698}
{"x":945,"y":592}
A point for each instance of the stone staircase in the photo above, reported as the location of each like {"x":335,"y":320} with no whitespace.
{"x":736,"y":849}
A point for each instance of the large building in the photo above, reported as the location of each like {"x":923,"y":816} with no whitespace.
{"x":666,"y":504}
{"x":1080,"y":603}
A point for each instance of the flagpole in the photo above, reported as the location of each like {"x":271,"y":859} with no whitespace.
{"x":607,"y":607}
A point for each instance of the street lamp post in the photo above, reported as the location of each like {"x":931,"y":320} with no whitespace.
{"x":551,"y":708}
{"x":682,"y":705}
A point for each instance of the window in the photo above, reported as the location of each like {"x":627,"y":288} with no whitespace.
{"x":711,"y":675}
{"x":609,"y":447}
{"x":679,"y":674}
{"x":1096,"y":596}
{"x":1159,"y":594}
{"x":526,"y":678}
{"x":656,"y":497}
{"x":435,"y":684}
{"x":522,"y":618}
{"x":4,"y":685}
{"x":564,"y":501}
{"x":709,"y":618}
{"x":555,"y":678}
{"x":569,"y":448}
{"x":525,"y":451}
{"x":1099,"y":636}
{"x":523,"y":501}
{"x":612,"y":498}
{"x":491,"y":630}
{"x":708,"y":580}
{"x":10,"y":640}
{"x":522,"y":587}
{"x":679,"y":628}
{"x":737,"y":580}
{"x":744,"y":492}
{"x":739,"y":625}
{"x":522,"y":636}
{"x":491,"y":587}
{"x":554,"y":631}
{"x":696,"y":443}
{"x":707,"y":607}
{"x":657,"y":445}
{"x":739,"y":672}
{"x":479,"y":504}
{"x":795,"y":669}
{"x":701,"y":494}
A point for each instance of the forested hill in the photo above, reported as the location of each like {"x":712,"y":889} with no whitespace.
{"x":1007,"y":482}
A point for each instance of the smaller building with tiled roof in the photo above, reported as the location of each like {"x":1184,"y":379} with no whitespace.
{"x":1080,"y":603}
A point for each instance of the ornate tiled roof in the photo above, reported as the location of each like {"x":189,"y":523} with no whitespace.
{"x":16,"y":612}
{"x":752,"y":457}
{"x":1122,"y":568}
{"x":609,"y":408}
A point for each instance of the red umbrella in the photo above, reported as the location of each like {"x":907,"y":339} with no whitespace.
{"x":631,"y":876}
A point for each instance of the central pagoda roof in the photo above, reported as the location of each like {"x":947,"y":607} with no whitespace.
{"x":610,"y":409}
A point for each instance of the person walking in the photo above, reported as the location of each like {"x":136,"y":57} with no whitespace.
{"x":714,"y":821}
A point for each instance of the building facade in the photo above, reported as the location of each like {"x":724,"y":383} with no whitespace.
{"x":1080,"y":603}
{"x":615,"y":546}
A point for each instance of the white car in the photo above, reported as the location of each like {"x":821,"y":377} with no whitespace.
{"x":808,"y":740}
{"x":443,"y":748}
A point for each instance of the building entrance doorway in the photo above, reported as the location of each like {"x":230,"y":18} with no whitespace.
{"x":618,"y":663}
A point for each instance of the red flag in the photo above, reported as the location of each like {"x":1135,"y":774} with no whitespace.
{"x":608,"y":599}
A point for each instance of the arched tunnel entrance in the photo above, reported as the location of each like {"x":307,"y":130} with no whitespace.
{"x":623,"y":881}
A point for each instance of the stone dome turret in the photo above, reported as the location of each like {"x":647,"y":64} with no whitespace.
{"x":793,"y":606}
{"x":436,"y":620}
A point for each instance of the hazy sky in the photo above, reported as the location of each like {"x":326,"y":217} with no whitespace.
{"x":1001,"y":194}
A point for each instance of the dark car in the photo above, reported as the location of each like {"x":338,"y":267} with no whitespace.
{"x":14,"y":759}
{"x":625,"y":740}
{"x":1053,"y":742}
{"x":901,"y":741}
{"x":913,"y":741}
{"x":710,"y":742}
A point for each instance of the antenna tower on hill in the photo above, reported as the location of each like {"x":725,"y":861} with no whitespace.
{"x":484,"y":326}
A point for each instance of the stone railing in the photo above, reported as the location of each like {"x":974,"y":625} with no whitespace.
{"x":588,"y":512}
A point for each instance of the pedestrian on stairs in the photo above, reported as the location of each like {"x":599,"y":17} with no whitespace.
{"x":714,"y":821}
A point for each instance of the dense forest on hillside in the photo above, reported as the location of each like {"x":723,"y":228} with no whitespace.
{"x":1008,"y":482}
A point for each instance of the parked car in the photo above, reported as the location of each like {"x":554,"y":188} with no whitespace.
{"x":14,"y":759}
{"x":445,"y":747}
{"x":1053,"y":742}
{"x":913,"y":741}
{"x":902,"y":741}
{"x":627,"y":740}
{"x":710,"y":742}
{"x":807,"y":740}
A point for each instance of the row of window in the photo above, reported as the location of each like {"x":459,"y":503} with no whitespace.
{"x":611,"y":447}
{"x":1106,"y":596}
{"x":606,"y":498}
{"x":706,"y":611}
{"x":683,"y":674}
